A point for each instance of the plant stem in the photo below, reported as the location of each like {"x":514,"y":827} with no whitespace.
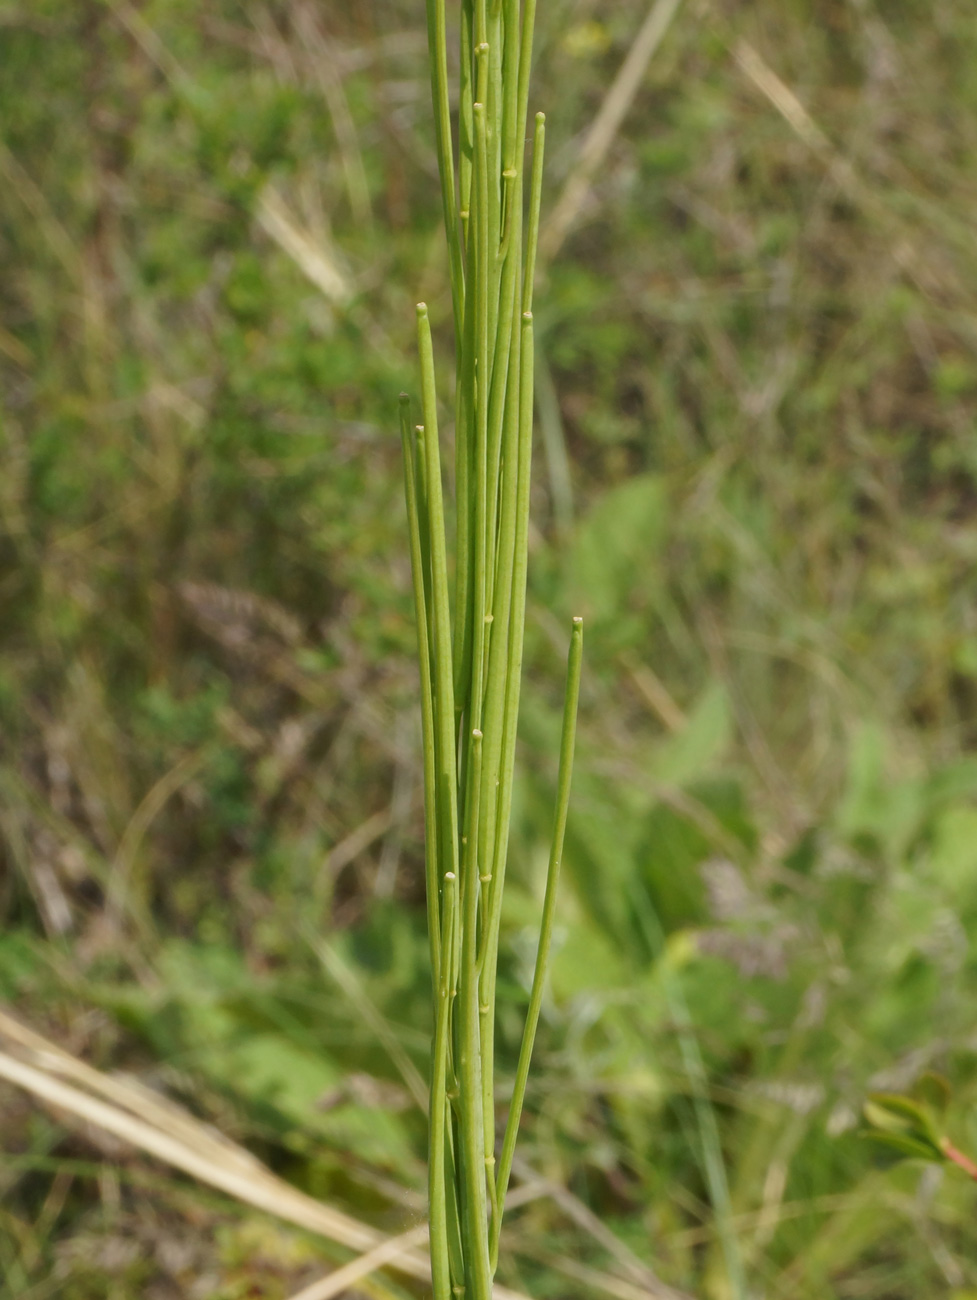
{"x":471,"y":656}
{"x":419,"y":566}
{"x":567,"y":743}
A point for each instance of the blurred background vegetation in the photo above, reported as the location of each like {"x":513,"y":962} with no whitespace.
{"x":757,"y":477}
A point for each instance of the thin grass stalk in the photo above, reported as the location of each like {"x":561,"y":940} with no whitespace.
{"x":495,"y":708}
{"x":482,"y":411}
{"x":517,"y":601}
{"x":465,"y":365}
{"x":418,"y":568}
{"x":496,"y":189}
{"x":509,"y":274}
{"x":514,"y":40}
{"x":525,"y":67}
{"x":465,"y":417}
{"x":504,"y":684}
{"x":508,"y":269}
{"x":444,"y":706}
{"x":708,"y":1146}
{"x":502,"y":467}
{"x":466,"y":128}
{"x":508,"y":718}
{"x":441,"y":1269}
{"x":438,"y":45}
{"x":567,"y":744}
{"x":478,"y":1273}
{"x":535,"y":204}
{"x":452,"y":1181}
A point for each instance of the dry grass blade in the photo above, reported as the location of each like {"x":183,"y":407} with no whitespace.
{"x":149,"y":42}
{"x":316,"y":262}
{"x":359,"y":839}
{"x":351,"y":986}
{"x":914,"y":258}
{"x":129,"y":1095}
{"x":654,"y":693}
{"x":152,"y":804}
{"x":605,"y":126}
{"x":255,"y":1186}
{"x":639,"y":1275}
{"x":387,"y":1252}
{"x":18,"y":182}
{"x":606,"y":1284}
{"x":162,"y":1129}
{"x":318,"y":51}
{"x":781,"y":97}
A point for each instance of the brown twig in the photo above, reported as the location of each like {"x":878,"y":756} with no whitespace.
{"x":962,"y":1161}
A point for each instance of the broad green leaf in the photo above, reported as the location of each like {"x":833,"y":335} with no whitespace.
{"x":875,"y":806}
{"x":587,"y":961}
{"x":953,"y":858}
{"x":701,"y":743}
{"x":613,"y":559}
{"x":894,"y":1113}
{"x":909,"y":1147}
{"x":894,"y":1116}
{"x":268,"y":1068}
{"x":933,"y":1090}
{"x":712,"y":820}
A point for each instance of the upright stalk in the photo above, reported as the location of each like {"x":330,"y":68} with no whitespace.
{"x":471,"y":654}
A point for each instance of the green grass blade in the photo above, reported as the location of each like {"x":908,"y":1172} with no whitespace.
{"x":511,"y":150}
{"x":525,"y":69}
{"x":513,"y":669}
{"x":465,"y":416}
{"x":438,"y":46}
{"x":482,"y":407}
{"x":509,"y":265}
{"x":494,"y":722}
{"x":474,"y":1203}
{"x":535,"y":200}
{"x":447,"y":784}
{"x":466,"y":128}
{"x":710,"y":1152}
{"x":456,"y":1240}
{"x":439,"y":1188}
{"x":427,"y":699}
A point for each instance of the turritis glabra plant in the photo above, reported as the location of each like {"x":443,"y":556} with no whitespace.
{"x":470,"y":644}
